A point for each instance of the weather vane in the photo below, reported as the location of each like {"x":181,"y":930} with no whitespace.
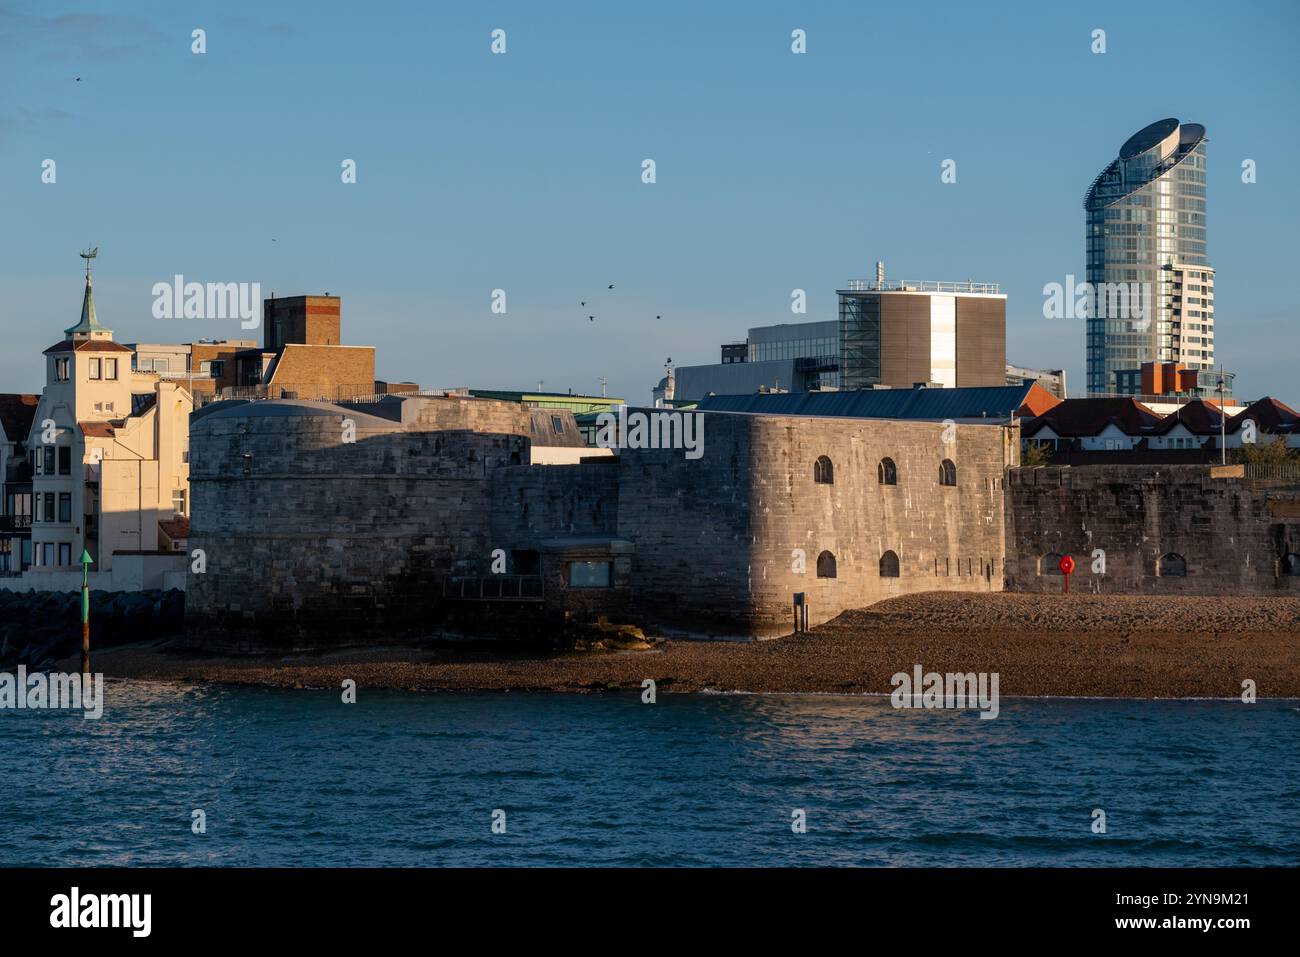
{"x":88,"y":255}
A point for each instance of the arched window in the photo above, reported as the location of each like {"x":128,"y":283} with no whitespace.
{"x":889,"y":565}
{"x":825,"y":565}
{"x":1291,"y":564}
{"x":1050,"y":564}
{"x":887,"y":472}
{"x":947,"y":472}
{"x":823,"y":471}
{"x":1172,"y":565}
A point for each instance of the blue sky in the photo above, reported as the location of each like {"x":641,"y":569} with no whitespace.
{"x":522,"y":171}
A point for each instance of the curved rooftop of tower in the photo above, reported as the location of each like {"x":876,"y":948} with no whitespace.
{"x":1147,"y":137}
{"x":1146,"y":155}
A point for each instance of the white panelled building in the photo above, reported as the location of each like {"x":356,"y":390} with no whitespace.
{"x":109,"y":451}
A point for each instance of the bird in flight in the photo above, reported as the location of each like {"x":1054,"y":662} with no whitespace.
{"x":592,"y":318}
{"x":610,"y":286}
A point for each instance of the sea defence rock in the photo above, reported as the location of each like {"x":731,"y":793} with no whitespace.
{"x":38,"y":628}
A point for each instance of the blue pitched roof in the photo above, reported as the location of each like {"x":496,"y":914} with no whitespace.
{"x":968,"y":403}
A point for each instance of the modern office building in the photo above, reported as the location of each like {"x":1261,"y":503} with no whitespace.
{"x":1153,"y":379}
{"x":1146,"y":229}
{"x":1053,"y":380}
{"x":816,"y":341}
{"x":902,"y":332}
{"x":889,"y":335}
{"x":735,"y":352}
{"x":787,"y":357}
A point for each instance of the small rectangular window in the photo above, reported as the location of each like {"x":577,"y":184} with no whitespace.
{"x":557,"y":423}
{"x":178,"y":501}
{"x":49,"y":459}
{"x":61,"y":369}
{"x":65,"y":460}
{"x":589,"y":574}
{"x":65,"y":506}
{"x":49,"y":506}
{"x":110,"y":368}
{"x":94,"y":369}
{"x":65,"y":553}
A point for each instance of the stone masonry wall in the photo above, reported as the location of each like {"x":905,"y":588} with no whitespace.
{"x":305,"y":535}
{"x":947,"y":538}
{"x":1232,"y":534}
{"x":716,"y":538}
{"x":533,"y":503}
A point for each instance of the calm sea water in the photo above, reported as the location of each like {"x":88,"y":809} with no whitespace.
{"x":298,"y":778}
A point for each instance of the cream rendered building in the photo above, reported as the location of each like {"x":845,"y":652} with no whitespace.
{"x":110,"y":450}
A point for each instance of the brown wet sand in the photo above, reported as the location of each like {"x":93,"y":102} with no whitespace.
{"x":1084,"y":645}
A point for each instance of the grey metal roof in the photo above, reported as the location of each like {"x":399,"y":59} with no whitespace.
{"x":695,"y":382}
{"x":968,"y":403}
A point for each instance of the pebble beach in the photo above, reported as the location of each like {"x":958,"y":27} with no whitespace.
{"x":1049,"y":645}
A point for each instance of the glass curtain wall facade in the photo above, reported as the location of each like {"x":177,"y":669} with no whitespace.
{"x":859,"y":341}
{"x":817,"y":342}
{"x":1146,"y":225}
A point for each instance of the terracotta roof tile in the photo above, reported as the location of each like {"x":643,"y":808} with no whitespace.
{"x":177,"y":527}
{"x":16,"y":413}
{"x":87,"y":345}
{"x":1198,"y":417}
{"x":1269,"y":414}
{"x":1074,"y":417}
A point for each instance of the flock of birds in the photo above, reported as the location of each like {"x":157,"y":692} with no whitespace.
{"x":592,"y":318}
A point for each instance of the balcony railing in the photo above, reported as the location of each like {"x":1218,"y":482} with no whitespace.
{"x":1209,"y":395}
{"x":1273,"y":472}
{"x":494,"y":588}
{"x":923,"y":285}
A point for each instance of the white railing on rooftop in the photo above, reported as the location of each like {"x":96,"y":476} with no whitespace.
{"x":1170,"y":398}
{"x":923,"y":285}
